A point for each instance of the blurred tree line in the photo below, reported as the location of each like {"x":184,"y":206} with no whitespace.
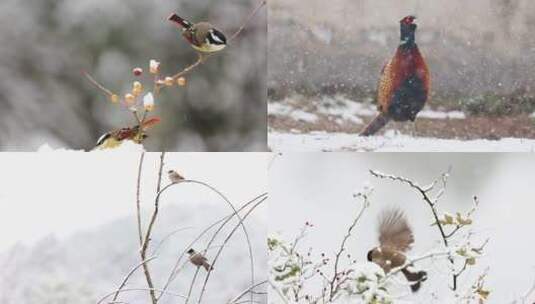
{"x":44,"y":46}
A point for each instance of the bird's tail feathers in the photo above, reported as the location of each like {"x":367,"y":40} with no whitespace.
{"x":207,"y":266}
{"x":180,"y":21}
{"x":150,"y":122}
{"x":415,"y":278}
{"x":375,"y":125}
{"x":416,"y":286}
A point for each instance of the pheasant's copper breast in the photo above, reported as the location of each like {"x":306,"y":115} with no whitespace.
{"x":406,"y":71}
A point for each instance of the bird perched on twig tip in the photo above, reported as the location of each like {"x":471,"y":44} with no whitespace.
{"x":174,"y":176}
{"x":202,"y":36}
{"x":199,"y":260}
{"x":136,"y":134}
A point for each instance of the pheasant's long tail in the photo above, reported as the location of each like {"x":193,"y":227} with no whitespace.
{"x":375,"y":125}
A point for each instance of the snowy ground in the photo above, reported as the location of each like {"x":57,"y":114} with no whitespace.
{"x":332,"y":123}
{"x":391,"y":142}
{"x":339,"y":109}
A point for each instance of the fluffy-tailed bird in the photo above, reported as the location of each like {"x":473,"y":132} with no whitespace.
{"x":202,"y":36}
{"x":395,"y":239}
{"x":136,"y":134}
{"x":199,"y":260}
{"x":174,"y":176}
{"x":404,"y":84}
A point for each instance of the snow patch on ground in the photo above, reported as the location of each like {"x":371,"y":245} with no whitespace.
{"x":294,"y":113}
{"x":339,"y":108}
{"x":392,"y":141}
{"x":126,"y":146}
{"x":344,"y":108}
{"x":310,"y":109}
{"x":441,"y":115}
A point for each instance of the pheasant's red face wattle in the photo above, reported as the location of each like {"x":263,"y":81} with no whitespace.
{"x":408,"y":20}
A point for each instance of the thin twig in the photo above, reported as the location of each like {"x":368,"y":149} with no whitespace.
{"x":242,"y":27}
{"x":138,"y":289}
{"x":524,"y":298}
{"x":301,"y":236}
{"x":168,"y":236}
{"x":414,"y":260}
{"x":138,"y":200}
{"x":146,"y":240}
{"x":279,"y":293}
{"x":248,"y":290}
{"x":160,"y":170}
{"x":333,"y":286}
{"x":229,"y":203}
{"x":240,"y":224}
{"x":174,"y":271}
{"x":97,"y":84}
{"x":187,"y":69}
{"x":190,"y":290}
{"x":130,"y":273}
{"x":431,"y":205}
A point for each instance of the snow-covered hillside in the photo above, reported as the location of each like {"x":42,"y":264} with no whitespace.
{"x":86,"y":266}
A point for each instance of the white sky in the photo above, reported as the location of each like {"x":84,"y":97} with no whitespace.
{"x":61,"y":193}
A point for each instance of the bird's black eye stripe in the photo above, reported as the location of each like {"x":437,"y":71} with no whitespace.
{"x":216,"y":37}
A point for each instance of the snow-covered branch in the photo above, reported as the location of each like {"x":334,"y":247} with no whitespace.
{"x":302,"y":277}
{"x":440,"y":221}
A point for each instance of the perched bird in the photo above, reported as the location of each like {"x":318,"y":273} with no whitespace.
{"x":174,"y":176}
{"x":202,"y":36}
{"x":136,"y":134}
{"x":395,"y":239}
{"x":199,"y":260}
{"x":404,"y":84}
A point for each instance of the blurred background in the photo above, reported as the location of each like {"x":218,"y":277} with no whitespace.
{"x":72,"y":238}
{"x":318,"y":188}
{"x":44,"y":46}
{"x":325,"y":60}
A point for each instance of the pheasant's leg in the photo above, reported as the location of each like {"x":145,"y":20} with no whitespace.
{"x":415,"y":129}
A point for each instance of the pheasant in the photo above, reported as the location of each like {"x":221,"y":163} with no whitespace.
{"x":404,"y":84}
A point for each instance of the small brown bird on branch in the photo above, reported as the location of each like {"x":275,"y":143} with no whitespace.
{"x":395,"y":239}
{"x":199,"y":260}
{"x":175,"y":177}
{"x":404,"y":84}
{"x":202,"y":36}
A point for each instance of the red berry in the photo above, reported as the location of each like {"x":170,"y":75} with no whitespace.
{"x":137,"y":71}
